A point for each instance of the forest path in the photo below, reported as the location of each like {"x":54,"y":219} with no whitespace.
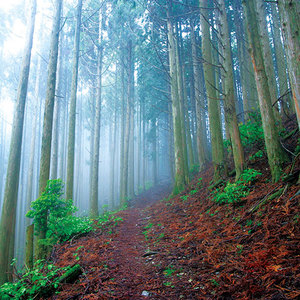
{"x":196,"y":249}
{"x":113,"y":261}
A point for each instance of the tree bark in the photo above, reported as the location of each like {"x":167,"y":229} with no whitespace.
{"x":8,"y":217}
{"x":267,"y":55}
{"x":180,"y":176}
{"x":276,"y":155}
{"x":213,"y":110}
{"x":202,"y":156}
{"x":229,"y":97}
{"x":289,"y":11}
{"x":124,"y":175}
{"x":40,"y":251}
{"x":72,"y":114}
{"x":283,"y":82}
{"x":94,"y":209}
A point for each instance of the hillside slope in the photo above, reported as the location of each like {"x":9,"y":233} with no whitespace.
{"x":189,"y":247}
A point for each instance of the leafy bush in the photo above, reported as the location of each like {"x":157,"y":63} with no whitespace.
{"x":32,"y":283}
{"x":61,"y":224}
{"x":184,"y":198}
{"x":194,"y":170}
{"x":233,"y":192}
{"x":50,"y":205}
{"x":200,"y":183}
{"x":252,"y":131}
{"x":63,"y":229}
{"x":258,"y":154}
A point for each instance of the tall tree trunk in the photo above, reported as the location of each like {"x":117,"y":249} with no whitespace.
{"x":181,"y":105}
{"x":56,"y":117}
{"x":94,"y":209}
{"x":92,"y":132}
{"x":113,"y":149}
{"x":154,"y":151}
{"x":275,"y":153}
{"x":8,"y":217}
{"x":249,"y":90}
{"x":289,"y":11}
{"x":30,"y":178}
{"x":202,"y":156}
{"x":267,"y":55}
{"x":131,"y":146}
{"x":122,"y":127}
{"x":213,"y":110}
{"x":124,"y":175}
{"x":40,"y":251}
{"x":229,"y":97}
{"x":139,"y":147}
{"x":72,"y":115}
{"x":190,"y":153}
{"x":286,"y":106}
{"x":180,"y":169}
{"x":144,"y":146}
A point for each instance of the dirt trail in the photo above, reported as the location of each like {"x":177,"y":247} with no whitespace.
{"x":201,"y":250}
{"x":113,"y":262}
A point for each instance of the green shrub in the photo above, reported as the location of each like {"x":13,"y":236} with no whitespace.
{"x":200,"y":182}
{"x":61,"y":224}
{"x":194,"y":170}
{"x":31,"y":284}
{"x":63,"y":229}
{"x":252,"y":131}
{"x":184,"y":198}
{"x":258,"y":154}
{"x":233,"y":192}
{"x":50,"y":205}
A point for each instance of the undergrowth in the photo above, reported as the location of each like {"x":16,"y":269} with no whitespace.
{"x":234,"y":192}
{"x":61,"y":224}
{"x":32,"y":284}
{"x":251,"y":132}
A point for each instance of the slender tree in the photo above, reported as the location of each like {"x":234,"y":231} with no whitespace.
{"x":267,"y":55}
{"x":124,"y":173}
{"x":180,"y":169}
{"x":229,"y":96}
{"x":94,"y":210}
{"x":72,"y":114}
{"x":199,"y":102}
{"x":210,"y":84}
{"x":40,"y":250}
{"x":289,"y":11}
{"x":8,"y":217}
{"x":276,"y":155}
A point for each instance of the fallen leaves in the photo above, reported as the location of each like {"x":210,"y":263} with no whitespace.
{"x":195,"y":249}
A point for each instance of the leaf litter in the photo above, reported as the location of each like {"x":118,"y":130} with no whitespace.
{"x":192,"y":248}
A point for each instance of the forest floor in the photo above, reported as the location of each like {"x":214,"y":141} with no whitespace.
{"x":189,"y":247}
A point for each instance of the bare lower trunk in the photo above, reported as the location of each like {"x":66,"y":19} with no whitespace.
{"x":72,"y":114}
{"x":213,"y":100}
{"x":40,"y":251}
{"x":8,"y":217}
{"x":229,"y":97}
{"x":275,"y":153}
{"x":289,"y":11}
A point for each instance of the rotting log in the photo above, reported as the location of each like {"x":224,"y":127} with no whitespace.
{"x":68,"y":277}
{"x":266,"y":199}
{"x":71,"y":275}
{"x":216,"y":184}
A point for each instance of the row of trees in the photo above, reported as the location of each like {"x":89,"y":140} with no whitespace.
{"x":150,"y":90}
